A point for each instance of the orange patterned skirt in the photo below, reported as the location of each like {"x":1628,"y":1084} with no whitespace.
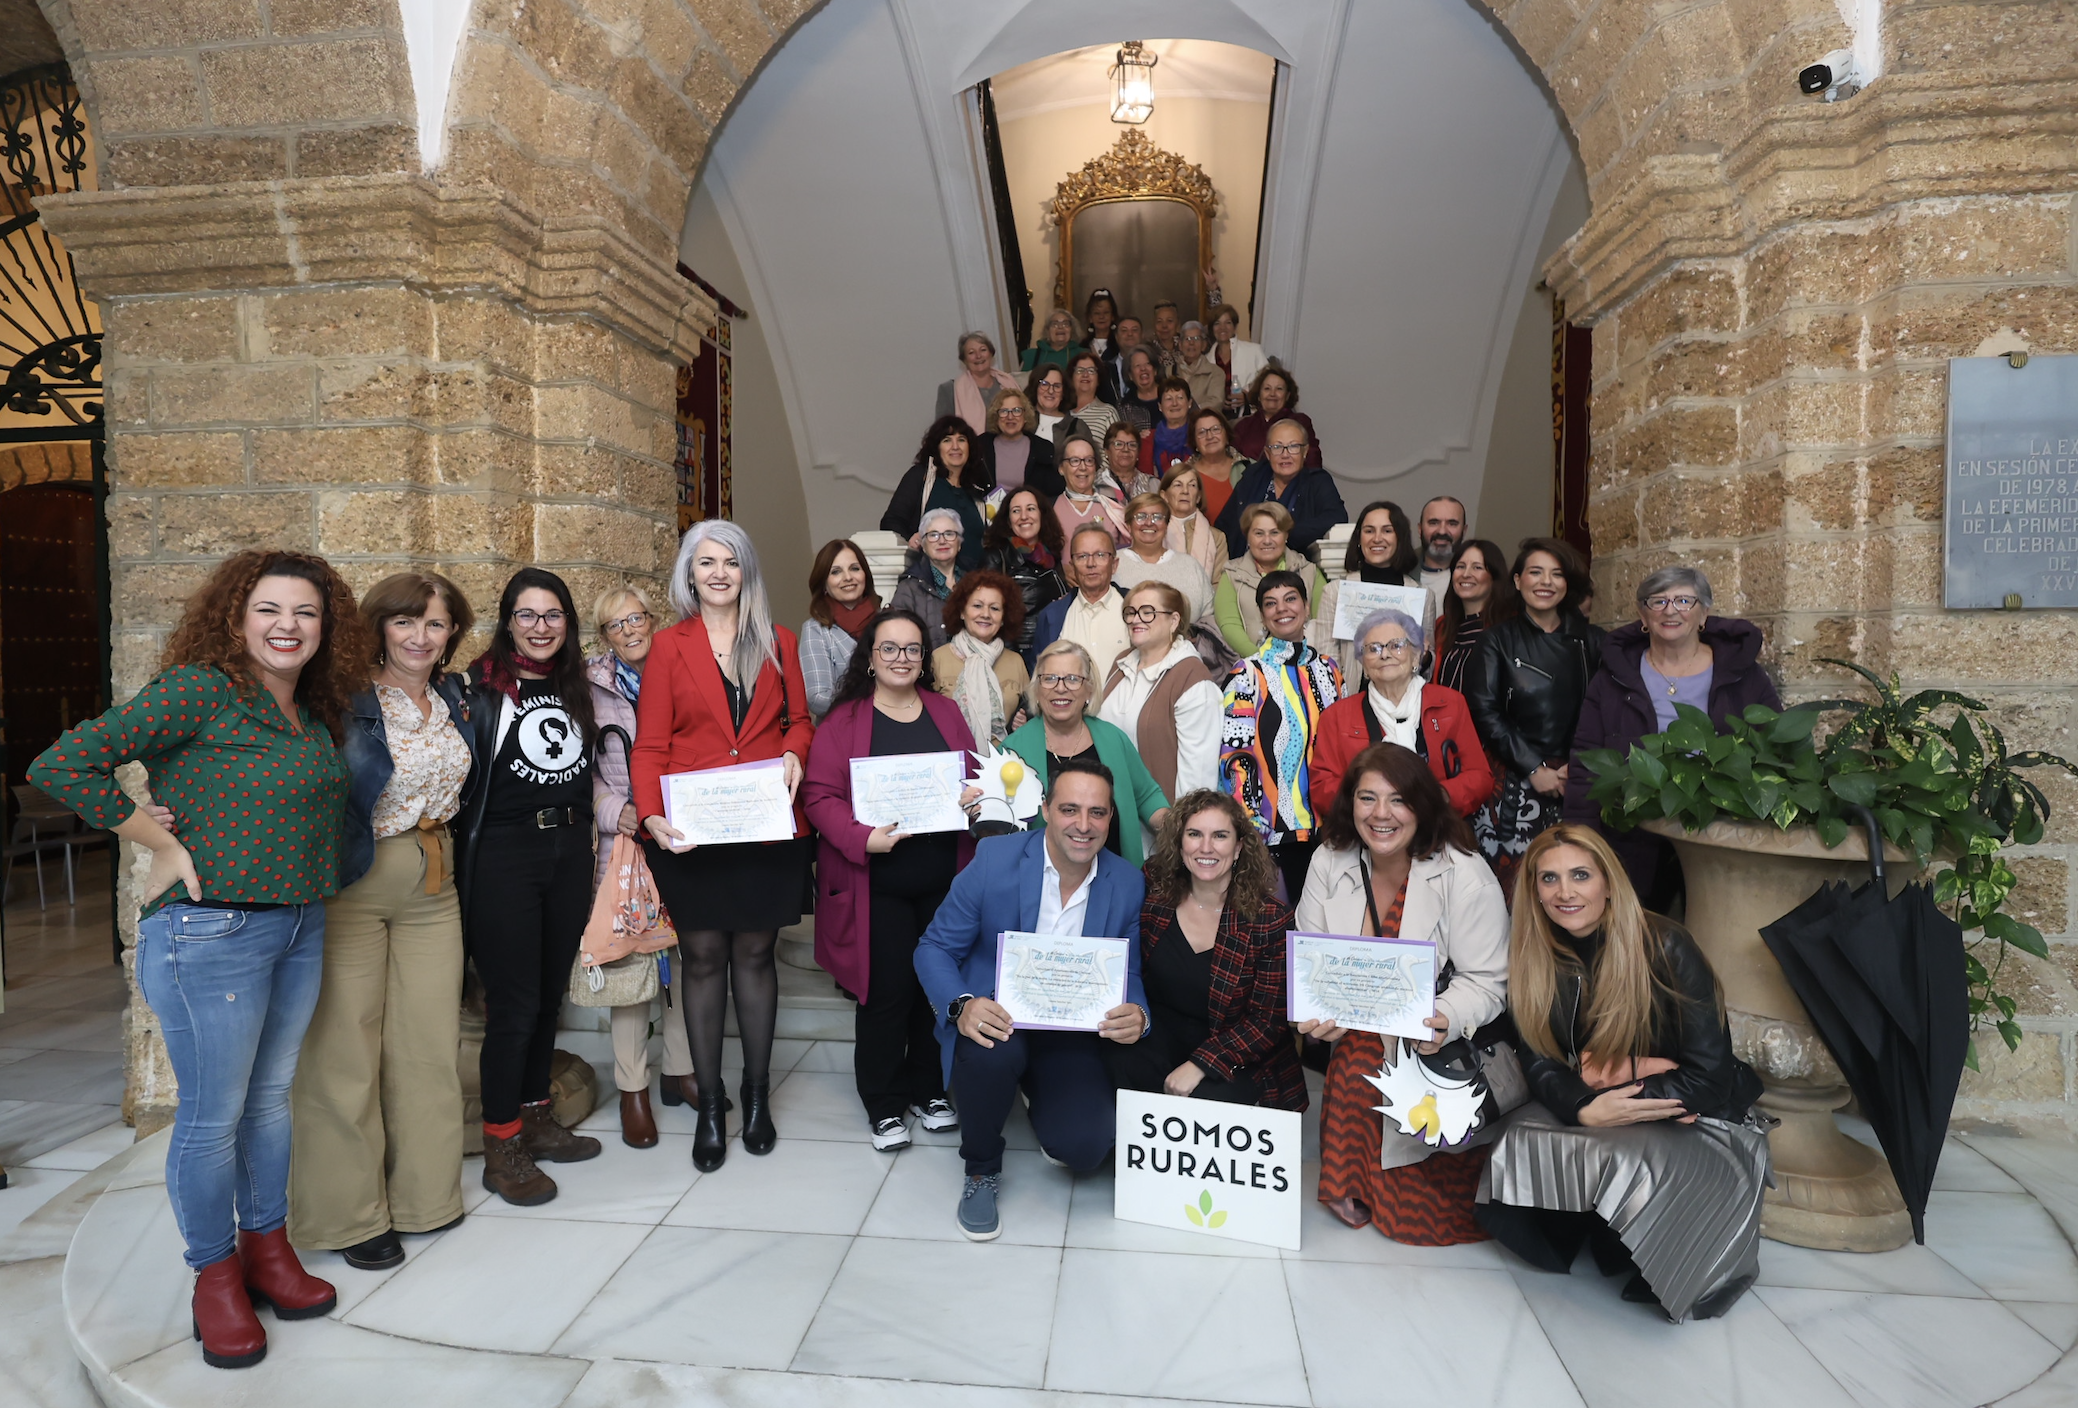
{"x":1428,"y":1204}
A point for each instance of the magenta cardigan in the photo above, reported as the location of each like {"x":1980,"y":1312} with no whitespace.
{"x":842,"y":896}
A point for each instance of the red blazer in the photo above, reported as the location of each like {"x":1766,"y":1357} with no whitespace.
{"x":1455,"y":754}
{"x":1251,"y":1036}
{"x":682,"y":720}
{"x":843,"y":875}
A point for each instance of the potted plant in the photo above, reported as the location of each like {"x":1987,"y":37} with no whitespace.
{"x":1761,"y":818}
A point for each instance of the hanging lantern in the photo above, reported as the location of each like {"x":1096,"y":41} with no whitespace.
{"x":1134,"y":76}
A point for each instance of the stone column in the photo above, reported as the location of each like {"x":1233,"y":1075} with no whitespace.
{"x":386,"y":373}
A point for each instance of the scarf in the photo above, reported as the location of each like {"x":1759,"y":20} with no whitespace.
{"x":627,"y":679}
{"x":979,"y":693}
{"x":1400,"y":722}
{"x":853,"y":618}
{"x":1170,"y":445}
{"x":1036,"y":550}
{"x":966,"y":398}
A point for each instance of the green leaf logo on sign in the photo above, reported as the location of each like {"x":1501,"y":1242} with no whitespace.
{"x":1201,"y":1213}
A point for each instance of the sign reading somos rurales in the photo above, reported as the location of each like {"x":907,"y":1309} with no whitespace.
{"x":2012,"y":493}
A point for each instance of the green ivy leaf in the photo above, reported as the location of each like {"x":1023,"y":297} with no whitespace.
{"x":1794,"y":726}
{"x":1856,"y":788}
{"x":1205,"y":1200}
{"x":1831,"y":830}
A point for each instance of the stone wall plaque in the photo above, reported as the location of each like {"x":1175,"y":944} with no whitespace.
{"x":2012,"y":495}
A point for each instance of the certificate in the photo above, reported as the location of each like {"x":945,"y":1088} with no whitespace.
{"x":1368,"y":985}
{"x":918,"y":792}
{"x":723,"y":806}
{"x":1059,"y":982}
{"x":1358,"y":599}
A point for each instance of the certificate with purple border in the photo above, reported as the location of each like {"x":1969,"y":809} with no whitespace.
{"x":1386,"y":986}
{"x":1059,"y":982}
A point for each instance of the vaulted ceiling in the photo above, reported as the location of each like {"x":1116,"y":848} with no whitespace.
{"x":1414,"y":168}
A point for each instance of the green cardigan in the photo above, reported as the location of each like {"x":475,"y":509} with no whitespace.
{"x":1233,"y":617}
{"x":1137,"y":795}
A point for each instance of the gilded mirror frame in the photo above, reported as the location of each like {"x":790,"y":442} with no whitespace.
{"x":1134,"y":169}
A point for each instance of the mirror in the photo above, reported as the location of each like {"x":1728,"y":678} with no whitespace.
{"x":1138,"y":221}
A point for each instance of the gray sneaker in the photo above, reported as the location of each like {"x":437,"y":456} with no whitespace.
{"x":978,"y":1219}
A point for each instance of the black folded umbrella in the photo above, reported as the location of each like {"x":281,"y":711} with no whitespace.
{"x":1883,"y":979}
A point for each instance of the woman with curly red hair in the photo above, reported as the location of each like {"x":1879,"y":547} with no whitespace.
{"x":239,"y":736}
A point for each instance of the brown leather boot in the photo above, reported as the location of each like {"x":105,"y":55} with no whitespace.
{"x":509,"y":1171}
{"x":549,"y":1142}
{"x":224,"y":1321}
{"x":638,"y":1125}
{"x":273,"y":1276}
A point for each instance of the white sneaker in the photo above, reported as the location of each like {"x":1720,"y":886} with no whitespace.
{"x":890,"y":1134}
{"x":936,"y":1116}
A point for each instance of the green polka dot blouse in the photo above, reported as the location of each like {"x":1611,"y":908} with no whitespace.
{"x":258,"y":806}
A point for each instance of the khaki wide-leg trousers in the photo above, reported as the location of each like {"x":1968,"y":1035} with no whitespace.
{"x":631,"y":1039}
{"x":377,"y":1106}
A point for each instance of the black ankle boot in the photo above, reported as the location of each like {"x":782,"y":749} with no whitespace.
{"x":711,"y":1135}
{"x":758,"y":1134}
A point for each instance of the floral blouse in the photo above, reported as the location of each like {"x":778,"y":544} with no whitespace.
{"x":430,"y":764}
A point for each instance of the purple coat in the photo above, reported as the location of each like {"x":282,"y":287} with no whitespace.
{"x":843,"y":896}
{"x":1617,"y":711}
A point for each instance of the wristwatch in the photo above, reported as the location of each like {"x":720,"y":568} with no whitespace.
{"x":954,"y":1007}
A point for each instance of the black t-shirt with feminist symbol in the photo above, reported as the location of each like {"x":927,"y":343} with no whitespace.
{"x":543,"y":761}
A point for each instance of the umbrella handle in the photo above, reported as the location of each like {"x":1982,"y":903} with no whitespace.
{"x":1868,"y":819}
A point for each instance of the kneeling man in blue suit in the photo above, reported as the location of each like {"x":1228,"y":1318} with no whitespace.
{"x":1057,"y":881}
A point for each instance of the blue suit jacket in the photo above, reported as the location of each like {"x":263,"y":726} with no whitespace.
{"x":1052,"y":617}
{"x":998,"y":893}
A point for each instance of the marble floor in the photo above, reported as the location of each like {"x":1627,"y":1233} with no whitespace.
{"x":827,"y":1273}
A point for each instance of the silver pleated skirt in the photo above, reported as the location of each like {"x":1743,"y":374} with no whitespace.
{"x":1684,"y":1199}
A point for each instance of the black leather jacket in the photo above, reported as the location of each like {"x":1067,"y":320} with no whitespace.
{"x":1688,"y":1028}
{"x":1524,"y":687}
{"x":1040,"y":586}
{"x":479,"y":725}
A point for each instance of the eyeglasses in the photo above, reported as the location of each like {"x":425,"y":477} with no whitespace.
{"x":1145,"y":615}
{"x":1063,"y":681}
{"x":1683,"y":604}
{"x":531,"y":619}
{"x":1379,"y":649}
{"x":888,"y":650}
{"x":1150,"y":518}
{"x":1095,"y":556}
{"x":1079,"y":462}
{"x":1017,"y":411}
{"x":1287,"y":448}
{"x":633,"y":621}
{"x":942,"y":535}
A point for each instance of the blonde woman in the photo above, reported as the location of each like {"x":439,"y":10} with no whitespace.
{"x":1162,"y":697}
{"x":1267,"y":529}
{"x":1065,"y":725}
{"x":625,"y":622}
{"x":1623,"y":1026}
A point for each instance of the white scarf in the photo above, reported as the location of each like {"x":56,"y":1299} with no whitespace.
{"x":979,"y":693}
{"x":1400,"y":723}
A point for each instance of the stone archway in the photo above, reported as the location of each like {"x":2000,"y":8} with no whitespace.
{"x":309,"y":339}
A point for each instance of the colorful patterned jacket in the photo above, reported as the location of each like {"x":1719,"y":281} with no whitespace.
{"x":1274,"y":700}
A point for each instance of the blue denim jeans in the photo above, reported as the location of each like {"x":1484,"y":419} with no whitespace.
{"x":233,"y":990}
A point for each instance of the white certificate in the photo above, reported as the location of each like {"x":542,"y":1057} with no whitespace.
{"x":1059,"y":982}
{"x":919,"y":792}
{"x":1368,"y":985}
{"x":723,"y":806}
{"x":1356,"y":600}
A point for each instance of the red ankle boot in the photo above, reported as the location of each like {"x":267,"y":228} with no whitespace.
{"x":224,"y":1321}
{"x":274,"y":1277}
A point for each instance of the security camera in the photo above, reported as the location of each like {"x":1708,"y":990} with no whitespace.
{"x":1834,"y":77}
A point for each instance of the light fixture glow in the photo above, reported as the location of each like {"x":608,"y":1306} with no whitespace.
{"x":1134,"y":75}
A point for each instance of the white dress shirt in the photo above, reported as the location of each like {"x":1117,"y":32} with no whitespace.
{"x":1055,"y":915}
{"x":1099,"y":628}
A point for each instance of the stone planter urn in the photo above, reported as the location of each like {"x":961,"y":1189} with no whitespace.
{"x":1831,"y":1191}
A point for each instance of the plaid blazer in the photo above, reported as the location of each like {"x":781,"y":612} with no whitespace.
{"x":1251,"y":1036}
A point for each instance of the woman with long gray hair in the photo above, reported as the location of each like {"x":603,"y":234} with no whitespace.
{"x":722,"y":688}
